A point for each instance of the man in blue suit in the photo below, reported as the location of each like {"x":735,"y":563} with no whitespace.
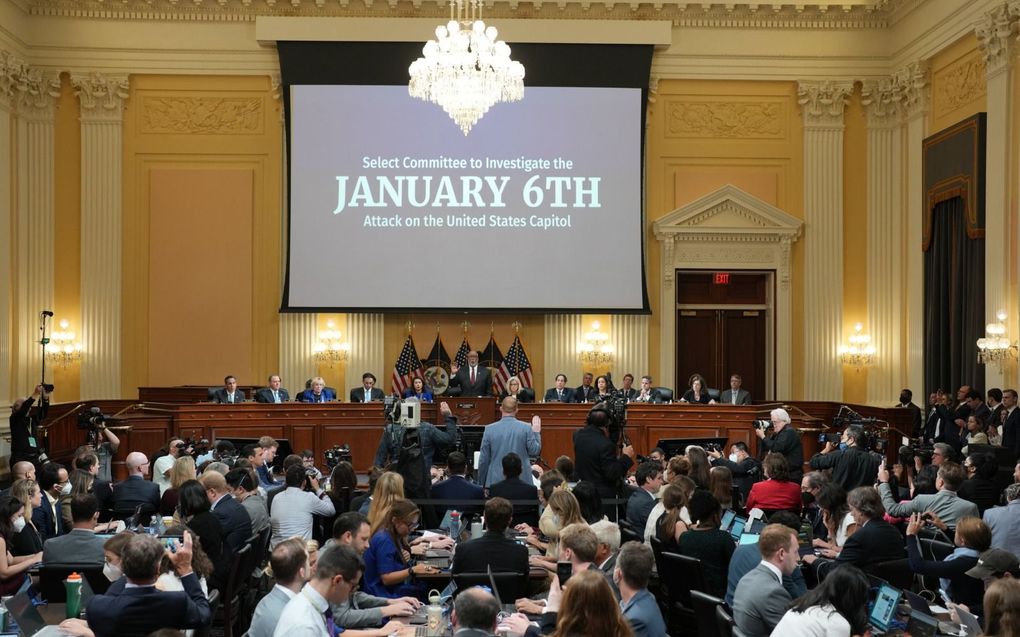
{"x":457,"y":486}
{"x":560,"y":393}
{"x":141,"y":608}
{"x":233,"y":518}
{"x":274,"y":393}
{"x":318,"y":393}
{"x":633,"y":565}
{"x":506,"y":435}
{"x":136,"y":490}
{"x":46,"y":517}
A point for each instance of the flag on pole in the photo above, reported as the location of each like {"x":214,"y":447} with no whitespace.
{"x":516,"y":364}
{"x":492,"y":358}
{"x":461,"y":356}
{"x":438,"y":356}
{"x":437,"y":368}
{"x":408,"y":367}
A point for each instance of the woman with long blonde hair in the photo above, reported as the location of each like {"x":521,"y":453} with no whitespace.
{"x":389,"y":489}
{"x":565,"y":511}
{"x":182,"y":470}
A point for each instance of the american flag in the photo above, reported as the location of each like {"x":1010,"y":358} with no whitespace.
{"x":516,"y":364}
{"x":492,"y":358}
{"x":461,"y":356}
{"x":408,"y":368}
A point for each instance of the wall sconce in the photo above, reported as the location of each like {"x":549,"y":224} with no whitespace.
{"x":330,"y":348}
{"x":995,"y":346}
{"x":65,"y":350}
{"x":858,"y":352}
{"x":595,"y":349}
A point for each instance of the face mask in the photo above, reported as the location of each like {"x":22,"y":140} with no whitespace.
{"x":734,"y":458}
{"x":556,"y":519}
{"x":111,"y":572}
{"x":807,"y":498}
{"x":842,"y":445}
{"x":19,"y":524}
{"x":66,"y":489}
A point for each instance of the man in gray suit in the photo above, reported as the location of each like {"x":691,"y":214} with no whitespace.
{"x":1005,"y":521}
{"x":760,"y":600}
{"x":290,"y":568}
{"x":503,"y":436}
{"x":633,"y":565}
{"x":945,"y":504}
{"x":735,"y":395}
{"x":81,"y":544}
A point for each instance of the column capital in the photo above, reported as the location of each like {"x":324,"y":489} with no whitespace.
{"x":994,"y":32}
{"x":914,"y":81}
{"x":883,"y":102}
{"x":823,"y":102}
{"x":32,"y":92}
{"x":101,"y":96}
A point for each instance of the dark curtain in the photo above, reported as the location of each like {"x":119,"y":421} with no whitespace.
{"x":954,"y":301}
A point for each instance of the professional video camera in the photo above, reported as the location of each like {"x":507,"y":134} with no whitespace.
{"x":874,"y":438}
{"x":764,"y":425}
{"x":615,"y":404}
{"x":835,"y":438}
{"x":92,"y":420}
{"x":337,"y":454}
{"x":198,"y":446}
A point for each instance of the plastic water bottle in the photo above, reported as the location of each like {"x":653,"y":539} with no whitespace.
{"x":73,"y":586}
{"x":455,"y":525}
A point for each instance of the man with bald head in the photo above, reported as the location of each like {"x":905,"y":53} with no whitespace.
{"x":474,"y":613}
{"x":503,"y":436}
{"x":136,"y":490}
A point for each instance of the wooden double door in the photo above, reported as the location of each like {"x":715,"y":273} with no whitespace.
{"x":723,"y":329}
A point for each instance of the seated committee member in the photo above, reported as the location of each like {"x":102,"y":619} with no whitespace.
{"x":472,"y":380}
{"x":697,"y":392}
{"x":648,"y":394}
{"x":585,"y":392}
{"x":318,"y":392}
{"x":274,"y":393}
{"x":735,"y":395}
{"x":629,"y":391}
{"x":368,"y":392}
{"x":230,"y":393}
{"x":514,"y":388}
{"x":418,"y":390}
{"x":560,"y":393}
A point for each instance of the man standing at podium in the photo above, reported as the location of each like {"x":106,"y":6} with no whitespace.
{"x":473,"y":380}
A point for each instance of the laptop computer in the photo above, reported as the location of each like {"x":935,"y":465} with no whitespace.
{"x":749,"y":538}
{"x":507,"y":608}
{"x":921,"y":625}
{"x":884,"y":608}
{"x":30,"y":622}
{"x":727,"y":519}
{"x":737,"y":528}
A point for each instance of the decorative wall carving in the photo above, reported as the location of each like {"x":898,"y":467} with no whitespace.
{"x":748,"y":120}
{"x":202,"y":115}
{"x":959,"y":84}
{"x":823,"y":102}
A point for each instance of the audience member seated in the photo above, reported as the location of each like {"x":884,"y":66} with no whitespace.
{"x":697,"y":392}
{"x":245,"y":489}
{"x":720,"y":485}
{"x":515,"y":389}
{"x":182,"y":470}
{"x":457,"y":487}
{"x":945,"y":503}
{"x":293,"y":510}
{"x":362,"y":610}
{"x":590,"y":502}
{"x":232,"y":516}
{"x":874,"y":541}
{"x":475,"y":613}
{"x":836,"y":516}
{"x":418,"y":390}
{"x":136,"y":491}
{"x":1004,"y":521}
{"x":89,"y":462}
{"x":229,"y":393}
{"x":977,"y":432}
{"x":760,"y":600}
{"x":134,"y":607}
{"x":317,"y":393}
{"x":28,"y":540}
{"x":565,"y":465}
{"x":777,"y":492}
{"x":563,"y":510}
{"x":747,"y":556}
{"x":169,"y":580}
{"x":494,"y":549}
{"x":388,"y":570}
{"x":22,"y":470}
{"x":289,"y":563}
{"x":560,"y":393}
{"x":980,"y":487}
{"x":608,"y":535}
{"x":1002,"y":609}
{"x":46,"y":516}
{"x":837,"y":607}
{"x":996,"y":564}
{"x":195,"y":511}
{"x":810,"y":486}
{"x":274,"y":393}
{"x":513,"y":488}
{"x":334,"y":576}
{"x":972,"y":538}
{"x":80,"y":544}
{"x":388,"y":489}
{"x":579,"y":546}
{"x":13,"y":570}
{"x":161,"y":468}
{"x":340,"y":479}
{"x":587,"y":606}
{"x":113,"y":553}
{"x":633,"y":566}
{"x":264,"y":469}
{"x":700,"y":465}
{"x":704,"y":540}
{"x":679,"y":495}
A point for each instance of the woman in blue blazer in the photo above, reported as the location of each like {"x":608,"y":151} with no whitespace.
{"x":318,"y":392}
{"x":419,"y":391}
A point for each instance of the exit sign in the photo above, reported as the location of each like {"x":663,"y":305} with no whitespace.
{"x":721,"y":278}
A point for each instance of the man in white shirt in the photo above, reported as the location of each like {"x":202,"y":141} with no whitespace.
{"x":164,"y":464}
{"x":308,"y":614}
{"x":760,"y":600}
{"x":293,"y":508}
{"x":290,"y":568}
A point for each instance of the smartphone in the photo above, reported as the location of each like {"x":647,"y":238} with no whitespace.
{"x":945,"y":598}
{"x":563,"y":572}
{"x":171,"y":545}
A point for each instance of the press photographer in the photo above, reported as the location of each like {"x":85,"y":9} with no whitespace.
{"x":745,"y":469}
{"x":25,"y":442}
{"x":848,"y":455}
{"x":101,"y":441}
{"x":410,"y":444}
{"x":785,"y":440}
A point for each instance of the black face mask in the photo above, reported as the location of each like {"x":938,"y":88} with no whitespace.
{"x":807,"y":498}
{"x":904,"y":399}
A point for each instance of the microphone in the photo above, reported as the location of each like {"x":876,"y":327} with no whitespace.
{"x":47,"y":313}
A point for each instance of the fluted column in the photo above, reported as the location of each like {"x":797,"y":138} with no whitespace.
{"x":8,"y":69}
{"x":823,"y":104}
{"x":562,"y":333}
{"x":366,"y":337}
{"x":297,"y":361}
{"x":629,"y":335}
{"x":102,"y":116}
{"x":995,"y":35}
{"x":881,"y":101}
{"x":35,"y":110}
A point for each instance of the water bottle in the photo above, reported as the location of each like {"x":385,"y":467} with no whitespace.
{"x":455,"y":525}
{"x":73,"y":586}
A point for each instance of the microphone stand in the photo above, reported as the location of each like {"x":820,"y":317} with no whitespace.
{"x":44,"y":340}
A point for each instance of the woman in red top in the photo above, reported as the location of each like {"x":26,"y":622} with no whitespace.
{"x":776,"y":493}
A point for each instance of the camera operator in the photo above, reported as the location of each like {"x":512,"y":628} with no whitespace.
{"x":595,"y":456}
{"x":25,"y":443}
{"x":430,"y":437}
{"x":292,"y":510}
{"x":785,"y":441}
{"x":104,"y":443}
{"x":745,"y":469}
{"x":851,"y":465}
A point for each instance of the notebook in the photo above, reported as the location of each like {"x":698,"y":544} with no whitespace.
{"x":884,"y":608}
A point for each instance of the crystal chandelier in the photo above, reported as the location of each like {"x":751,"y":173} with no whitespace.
{"x":66,"y":349}
{"x":466,"y":69}
{"x":330,"y":348}
{"x":595,"y":349}
{"x":995,"y":348}
{"x":859,"y":352}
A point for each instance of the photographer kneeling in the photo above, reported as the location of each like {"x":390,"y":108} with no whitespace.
{"x":852,"y":466}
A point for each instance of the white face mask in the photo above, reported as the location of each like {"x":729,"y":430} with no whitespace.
{"x":66,"y":489}
{"x":734,"y":458}
{"x":111,"y":572}
{"x":19,"y":524}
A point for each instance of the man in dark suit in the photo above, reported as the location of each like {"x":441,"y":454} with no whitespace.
{"x":760,"y":600}
{"x":233,"y":518}
{"x":494,"y":548}
{"x":735,"y":395}
{"x":46,"y":517}
{"x":80,"y":544}
{"x":586,"y":392}
{"x":136,"y":490}
{"x":513,"y":488}
{"x":744,"y":469}
{"x":1011,"y":427}
{"x":560,"y":393}
{"x":641,"y":502}
{"x":457,"y":486}
{"x":141,"y":609}
{"x":907,"y":402}
{"x":473,"y":379}
{"x":786,"y":441}
{"x":368,"y":392}
{"x":230,"y":394}
{"x":475,"y":613}
{"x":875,"y":540}
{"x":994,"y":402}
{"x":595,"y":458}
{"x":648,"y":394}
{"x":274,"y":393}
{"x":627,"y":389}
